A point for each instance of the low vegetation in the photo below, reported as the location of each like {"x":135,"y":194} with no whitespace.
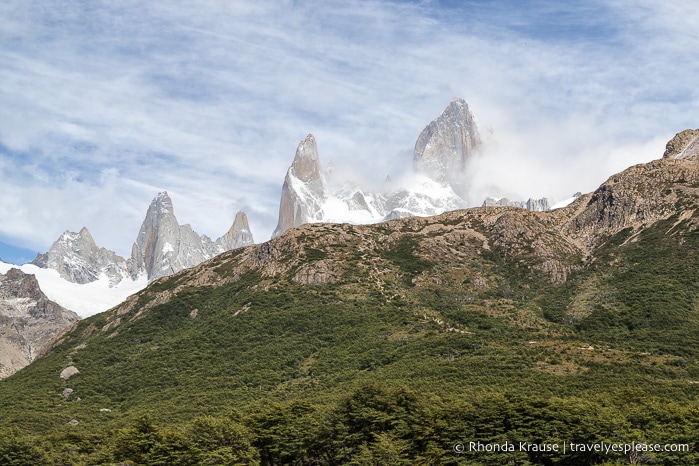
{"x":405,"y":356}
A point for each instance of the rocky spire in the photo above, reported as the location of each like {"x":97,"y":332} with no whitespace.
{"x":28,"y":319}
{"x":76,"y":257}
{"x":306,"y":165}
{"x":238,"y":235}
{"x":444,"y":147}
{"x":303,"y":192}
{"x":164,"y":247}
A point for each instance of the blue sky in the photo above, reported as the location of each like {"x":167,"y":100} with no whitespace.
{"x":104,"y":104}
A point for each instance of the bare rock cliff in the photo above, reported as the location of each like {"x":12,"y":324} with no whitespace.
{"x":635,"y":198}
{"x":683,"y":145}
{"x":164,"y":247}
{"x":444,"y":147}
{"x":28,"y":320}
{"x":303,"y":192}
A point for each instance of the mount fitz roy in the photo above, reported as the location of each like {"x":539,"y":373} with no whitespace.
{"x":332,"y":340}
{"x":444,"y":147}
{"x":438,"y":182}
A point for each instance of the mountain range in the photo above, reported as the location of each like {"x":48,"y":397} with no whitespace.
{"x":80,"y":276}
{"x":438,"y":182}
{"x":391,"y":343}
{"x":88,"y":279}
{"x":162,"y":247}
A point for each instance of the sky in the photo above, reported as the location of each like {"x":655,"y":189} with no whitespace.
{"x":104,"y":104}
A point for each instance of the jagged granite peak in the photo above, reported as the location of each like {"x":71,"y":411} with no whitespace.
{"x":538,"y":205}
{"x":164,"y":247}
{"x":28,"y":320}
{"x":78,"y":259}
{"x":437,"y":184}
{"x":303,"y":191}
{"x":444,"y":147}
{"x":306,"y":164}
{"x":238,"y":235}
{"x":684,"y":144}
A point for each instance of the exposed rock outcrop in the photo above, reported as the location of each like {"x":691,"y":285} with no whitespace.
{"x":635,"y":198}
{"x":164,"y":247}
{"x":444,"y":147}
{"x":69,"y":372}
{"x":28,"y":320}
{"x":76,"y":257}
{"x":303,"y":192}
{"x":684,"y":144}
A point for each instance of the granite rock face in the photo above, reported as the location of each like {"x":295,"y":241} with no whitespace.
{"x":238,"y":235}
{"x":436,"y":184}
{"x":28,"y":320}
{"x":445,"y":146}
{"x":164,"y":247}
{"x":303,"y":191}
{"x":161,"y":247}
{"x":76,"y":257}
{"x":307,"y":196}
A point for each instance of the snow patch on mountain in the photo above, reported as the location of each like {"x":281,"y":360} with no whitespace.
{"x":563,"y":203}
{"x":84,"y":299}
{"x":566,"y":202}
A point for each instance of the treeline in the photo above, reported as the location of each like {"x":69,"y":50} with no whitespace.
{"x":375,"y":424}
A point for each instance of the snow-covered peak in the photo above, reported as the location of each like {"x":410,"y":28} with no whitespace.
{"x":77,"y":258}
{"x":437,"y":183}
{"x":323,"y":198}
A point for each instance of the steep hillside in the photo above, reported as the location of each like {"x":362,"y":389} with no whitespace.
{"x":28,"y":319}
{"x":391,"y":343}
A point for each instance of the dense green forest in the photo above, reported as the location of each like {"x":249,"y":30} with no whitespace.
{"x":413,"y":367}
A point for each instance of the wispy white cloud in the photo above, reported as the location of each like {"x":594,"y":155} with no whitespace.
{"x":105,"y":103}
